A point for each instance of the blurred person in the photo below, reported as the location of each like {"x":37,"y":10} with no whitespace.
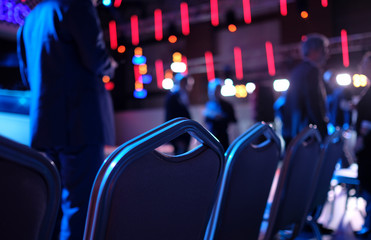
{"x":177,"y":105}
{"x":363,"y":146}
{"x":62,"y":57}
{"x":339,"y":102}
{"x":219,"y":114}
{"x":305,"y":100}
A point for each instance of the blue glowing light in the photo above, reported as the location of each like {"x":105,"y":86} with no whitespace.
{"x":12,"y":12}
{"x":140,"y":93}
{"x":106,"y":2}
{"x":138,"y":60}
{"x":146,"y":79}
{"x":22,"y":101}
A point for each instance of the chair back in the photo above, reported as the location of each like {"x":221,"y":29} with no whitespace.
{"x":331,"y":153}
{"x":251,"y":163}
{"x":30,"y":192}
{"x":140,"y":193}
{"x":296,"y":184}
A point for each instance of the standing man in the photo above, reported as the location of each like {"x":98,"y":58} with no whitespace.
{"x":177,"y":105}
{"x":62,"y":59}
{"x":306,"y":98}
{"x":363,"y":146}
{"x":219,"y":114}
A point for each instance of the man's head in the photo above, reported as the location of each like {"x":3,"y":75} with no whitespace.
{"x":214,"y":88}
{"x":183,"y":83}
{"x":315,"y":48}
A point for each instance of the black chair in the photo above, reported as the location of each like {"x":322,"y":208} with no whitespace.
{"x":331,"y":153}
{"x":140,"y":193}
{"x":296,"y":184}
{"x":251,"y":163}
{"x":30,"y":192}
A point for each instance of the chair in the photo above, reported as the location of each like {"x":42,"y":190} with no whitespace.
{"x":331,"y":153}
{"x":30,"y":192}
{"x":296,"y":183}
{"x":140,"y":193}
{"x":251,"y":163}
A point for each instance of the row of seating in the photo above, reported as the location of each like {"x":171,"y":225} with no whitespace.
{"x":140,"y":193}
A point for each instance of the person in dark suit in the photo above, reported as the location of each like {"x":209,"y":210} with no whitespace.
{"x":62,"y":57}
{"x":363,"y":146}
{"x":305,"y":100}
{"x":219,"y":114}
{"x":177,"y":105}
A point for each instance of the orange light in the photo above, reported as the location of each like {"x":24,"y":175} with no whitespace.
{"x":177,"y":57}
{"x":304,"y":14}
{"x":121,"y":49}
{"x":138,"y":51}
{"x":142,"y":69}
{"x":106,"y":79}
{"x":172,"y":39}
{"x":138,"y":85}
{"x":168,"y":73}
{"x":232,"y":28}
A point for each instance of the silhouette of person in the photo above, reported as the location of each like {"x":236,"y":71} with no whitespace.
{"x":305,"y":100}
{"x":62,"y":57}
{"x":177,"y":105}
{"x":219,"y":114}
{"x":363,"y":147}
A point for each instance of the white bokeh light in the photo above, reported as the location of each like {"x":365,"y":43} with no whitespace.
{"x":167,"y":83}
{"x":343,"y":79}
{"x":250,"y":87}
{"x":281,"y":85}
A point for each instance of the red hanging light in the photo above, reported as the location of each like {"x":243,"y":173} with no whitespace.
{"x":270,"y":58}
{"x":214,"y":12}
{"x":158,"y":24}
{"x":283,"y":7}
{"x":238,"y":63}
{"x":113,"y":34}
{"x":134,"y":30}
{"x":344,"y":47}
{"x":184,"y":14}
{"x":246,"y":11}
{"x":209,"y":66}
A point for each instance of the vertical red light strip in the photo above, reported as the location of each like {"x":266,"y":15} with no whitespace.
{"x":246,"y":11}
{"x":283,"y":7}
{"x":158,"y":25}
{"x":117,"y":3}
{"x":344,"y":47}
{"x":185,"y":61}
{"x":159,"y":65}
{"x":209,"y":66}
{"x":238,"y":63}
{"x":136,"y":72}
{"x":324,"y":3}
{"x":134,"y":30}
{"x":184,"y":14}
{"x":214,"y":12}
{"x":113,"y":34}
{"x":270,"y":58}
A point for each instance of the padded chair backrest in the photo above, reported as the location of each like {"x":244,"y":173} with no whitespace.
{"x":111,"y":157}
{"x":30,"y":192}
{"x":297,"y":180}
{"x":331,"y":153}
{"x":251,"y":163}
{"x":140,"y":193}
